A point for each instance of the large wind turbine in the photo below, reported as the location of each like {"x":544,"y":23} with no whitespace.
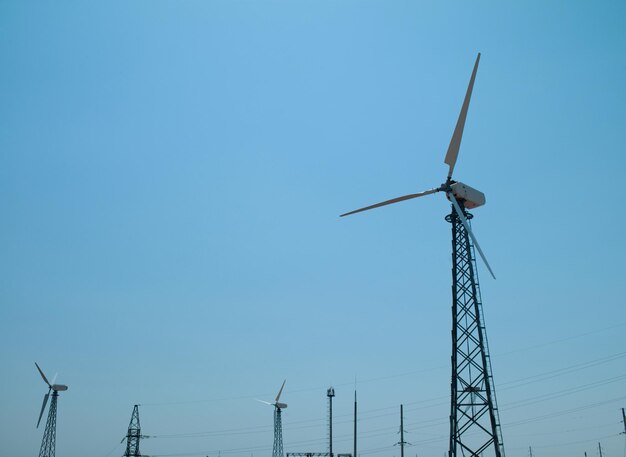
{"x":277,"y":450}
{"x":48,"y":443}
{"x":474,"y":421}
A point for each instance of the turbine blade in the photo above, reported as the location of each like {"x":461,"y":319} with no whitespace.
{"x":393,"y":200}
{"x":266,"y":402}
{"x":122,"y":440}
{"x":459,"y":213}
{"x":280,"y":391}
{"x":43,"y":375}
{"x":54,"y":378}
{"x":43,"y":407}
{"x":455,"y":142}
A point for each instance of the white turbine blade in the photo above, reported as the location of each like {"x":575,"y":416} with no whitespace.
{"x":54,"y":378}
{"x":459,"y":213}
{"x":393,"y":200}
{"x":43,"y":407}
{"x":43,"y":375}
{"x":266,"y":402}
{"x":280,"y":391}
{"x":455,"y":142}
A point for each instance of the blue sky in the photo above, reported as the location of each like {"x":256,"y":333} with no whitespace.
{"x":171,"y":175}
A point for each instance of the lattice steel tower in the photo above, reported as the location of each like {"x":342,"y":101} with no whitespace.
{"x":134,"y":435}
{"x":48,"y":443}
{"x":474,"y":421}
{"x":277,"y":450}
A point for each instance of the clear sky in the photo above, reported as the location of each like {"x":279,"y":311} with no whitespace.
{"x":171,"y":175}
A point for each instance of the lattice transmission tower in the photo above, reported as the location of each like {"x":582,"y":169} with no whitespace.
{"x":134,"y":436}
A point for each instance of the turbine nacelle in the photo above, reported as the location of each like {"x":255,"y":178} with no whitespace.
{"x":58,"y":387}
{"x":470,"y":197}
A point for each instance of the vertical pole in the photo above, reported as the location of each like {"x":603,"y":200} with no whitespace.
{"x":401,"y":432}
{"x":600,"y":449}
{"x":330,"y":393}
{"x":624,"y":420}
{"x":354,"y":451}
{"x":330,"y":448}
{"x":530,"y":451}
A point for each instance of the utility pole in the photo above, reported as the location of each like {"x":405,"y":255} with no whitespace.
{"x":354,"y":454}
{"x":402,"y":442}
{"x":401,"y":431}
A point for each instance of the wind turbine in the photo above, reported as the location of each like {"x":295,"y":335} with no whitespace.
{"x":474,"y":419}
{"x":48,"y":443}
{"x":277,"y":450}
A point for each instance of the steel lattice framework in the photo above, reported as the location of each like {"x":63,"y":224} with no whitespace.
{"x":277,"y":450}
{"x":134,"y":435}
{"x":474,"y":421}
{"x":48,"y":443}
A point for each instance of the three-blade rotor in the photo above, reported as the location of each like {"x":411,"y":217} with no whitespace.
{"x":450,"y":159}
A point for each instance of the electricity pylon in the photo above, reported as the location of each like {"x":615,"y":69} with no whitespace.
{"x":134,"y":435}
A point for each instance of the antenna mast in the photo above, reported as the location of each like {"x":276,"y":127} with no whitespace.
{"x":330,"y":393}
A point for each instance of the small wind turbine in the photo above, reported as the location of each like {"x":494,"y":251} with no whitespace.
{"x":477,"y":428}
{"x":48,"y":443}
{"x":277,"y":450}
